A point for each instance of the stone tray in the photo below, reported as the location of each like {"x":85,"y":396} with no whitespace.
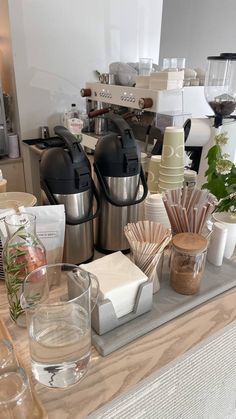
{"x":167,"y":305}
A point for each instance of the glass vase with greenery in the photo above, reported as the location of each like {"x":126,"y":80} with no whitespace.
{"x":22,"y":253}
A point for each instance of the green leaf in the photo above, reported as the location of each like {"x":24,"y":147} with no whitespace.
{"x":217,"y":187}
{"x":214,"y":153}
{"x":211,"y":169}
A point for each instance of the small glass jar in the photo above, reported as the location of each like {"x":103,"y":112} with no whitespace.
{"x":188,"y":256}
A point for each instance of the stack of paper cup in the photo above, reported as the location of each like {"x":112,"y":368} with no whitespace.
{"x":155,"y":210}
{"x":153,"y":174}
{"x":171,"y":173}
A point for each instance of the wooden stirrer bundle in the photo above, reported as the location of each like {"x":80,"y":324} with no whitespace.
{"x":147,"y":241}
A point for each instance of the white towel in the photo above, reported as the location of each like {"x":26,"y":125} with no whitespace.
{"x":119,"y":280}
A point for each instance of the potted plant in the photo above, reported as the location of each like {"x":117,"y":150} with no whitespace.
{"x":221,"y":182}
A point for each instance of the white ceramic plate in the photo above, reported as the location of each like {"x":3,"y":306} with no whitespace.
{"x":17,"y":199}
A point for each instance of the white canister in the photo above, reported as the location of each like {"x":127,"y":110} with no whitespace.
{"x":13,"y":146}
{"x":229,"y":221}
{"x":216,"y":248}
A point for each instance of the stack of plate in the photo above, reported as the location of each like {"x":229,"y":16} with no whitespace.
{"x":155,"y":210}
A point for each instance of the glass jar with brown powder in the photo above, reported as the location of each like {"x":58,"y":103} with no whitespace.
{"x":187,"y":264}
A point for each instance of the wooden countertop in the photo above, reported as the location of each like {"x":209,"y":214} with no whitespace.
{"x":116,"y":373}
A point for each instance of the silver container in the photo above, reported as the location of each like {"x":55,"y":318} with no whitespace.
{"x":109,"y":226}
{"x":99,"y":125}
{"x":78,"y":246}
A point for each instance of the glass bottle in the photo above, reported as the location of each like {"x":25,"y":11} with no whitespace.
{"x":22,"y":253}
{"x":74,"y":123}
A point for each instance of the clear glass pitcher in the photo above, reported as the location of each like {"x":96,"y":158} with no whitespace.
{"x":58,"y":300}
{"x":22,"y":253}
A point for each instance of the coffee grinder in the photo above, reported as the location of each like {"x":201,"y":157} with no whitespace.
{"x":220,"y":93}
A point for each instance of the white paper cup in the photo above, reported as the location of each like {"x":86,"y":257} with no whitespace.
{"x":173,"y":147}
{"x":171,"y":178}
{"x":163,"y":188}
{"x":13,"y":146}
{"x":169,"y":185}
{"x":229,"y":222}
{"x":153,"y":171}
{"x":172,"y":170}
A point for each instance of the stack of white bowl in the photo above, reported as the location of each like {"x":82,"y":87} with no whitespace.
{"x":155,"y":210}
{"x":171,"y":172}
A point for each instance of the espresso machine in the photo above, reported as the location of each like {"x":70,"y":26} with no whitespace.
{"x":137,"y":106}
{"x":148,"y":112}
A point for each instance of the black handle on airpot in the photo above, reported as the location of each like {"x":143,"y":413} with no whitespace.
{"x":69,"y":220}
{"x":67,"y":172}
{"x":111,"y":199}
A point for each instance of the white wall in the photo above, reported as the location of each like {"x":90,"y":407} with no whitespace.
{"x":57,"y":44}
{"x":196,"y":29}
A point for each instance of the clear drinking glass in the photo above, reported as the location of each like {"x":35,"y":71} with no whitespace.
{"x":8,"y":360}
{"x":57,"y":299}
{"x":15,"y":395}
{"x":173,"y":63}
{"x":145,"y":66}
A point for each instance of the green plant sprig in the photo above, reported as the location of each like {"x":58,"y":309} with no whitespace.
{"x":221,"y":176}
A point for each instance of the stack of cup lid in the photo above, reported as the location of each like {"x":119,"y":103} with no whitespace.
{"x":153,"y":173}
{"x":171,"y":173}
{"x":155,"y":210}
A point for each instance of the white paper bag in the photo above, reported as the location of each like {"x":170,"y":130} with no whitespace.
{"x":50,"y":228}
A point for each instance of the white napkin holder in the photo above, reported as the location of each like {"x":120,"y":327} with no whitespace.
{"x":125,"y":291}
{"x":104,"y":318}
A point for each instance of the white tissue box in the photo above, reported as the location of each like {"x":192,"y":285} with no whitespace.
{"x":168,"y":75}
{"x":119,"y":280}
{"x":159,"y":84}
